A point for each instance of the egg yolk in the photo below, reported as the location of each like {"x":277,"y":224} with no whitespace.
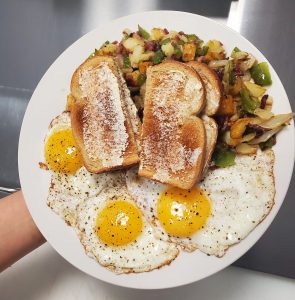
{"x":61,"y":152}
{"x":119,"y":223}
{"x":183,"y":212}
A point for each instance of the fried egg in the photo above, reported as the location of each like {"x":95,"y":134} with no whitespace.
{"x":114,"y":232}
{"x":217,"y":213}
{"x":71,"y":183}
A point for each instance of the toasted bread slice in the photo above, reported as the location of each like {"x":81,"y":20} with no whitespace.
{"x":211,"y":138}
{"x":173,"y":138}
{"x":100,"y":117}
{"x":212,"y":85}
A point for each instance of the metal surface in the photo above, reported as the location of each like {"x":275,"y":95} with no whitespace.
{"x":33,"y":33}
{"x":268,"y":24}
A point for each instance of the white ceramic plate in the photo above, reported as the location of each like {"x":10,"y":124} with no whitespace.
{"x":49,"y":100}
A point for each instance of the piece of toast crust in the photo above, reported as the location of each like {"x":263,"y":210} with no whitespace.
{"x":173,"y":138}
{"x":213,"y":87}
{"x":100,"y":118}
{"x":211,"y":138}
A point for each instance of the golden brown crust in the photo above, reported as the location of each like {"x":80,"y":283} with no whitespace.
{"x":173,"y":138}
{"x":211,"y":138}
{"x":213,"y":86}
{"x":80,"y":119}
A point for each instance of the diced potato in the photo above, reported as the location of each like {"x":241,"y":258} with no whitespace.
{"x":142,"y":66}
{"x":230,"y":141}
{"x":189,"y":51}
{"x":216,"y":50}
{"x":70,"y":102}
{"x":183,"y":38}
{"x":168,"y":49}
{"x":171,"y":34}
{"x":246,"y":149}
{"x":135,"y":56}
{"x":227,"y":107}
{"x":238,"y":128}
{"x":107,"y":50}
{"x":131,"y":43}
{"x":254,"y":89}
{"x":147,"y":56}
{"x":157,"y":34}
{"x":132,"y":78}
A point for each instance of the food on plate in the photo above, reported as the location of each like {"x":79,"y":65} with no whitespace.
{"x":68,"y":189}
{"x":173,"y":138}
{"x":114,"y":231}
{"x":212,"y":85}
{"x":197,"y":122}
{"x":211,"y":138}
{"x":215,"y":214}
{"x":100,"y":118}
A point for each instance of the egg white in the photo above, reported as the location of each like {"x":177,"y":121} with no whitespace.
{"x":144,"y":254}
{"x":68,"y":190}
{"x":241,"y":196}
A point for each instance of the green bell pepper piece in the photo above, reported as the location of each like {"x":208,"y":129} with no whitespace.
{"x":224,"y":158}
{"x":126,"y":62}
{"x":158,"y":57}
{"x":235,"y":50}
{"x":202,"y":51}
{"x":143,"y":33}
{"x":249,"y":104}
{"x":141,"y":79}
{"x":261,"y":75}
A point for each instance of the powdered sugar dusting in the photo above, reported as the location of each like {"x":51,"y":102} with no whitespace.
{"x":104,"y":133}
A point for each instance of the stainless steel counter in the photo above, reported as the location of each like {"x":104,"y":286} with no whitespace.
{"x":33,"y":33}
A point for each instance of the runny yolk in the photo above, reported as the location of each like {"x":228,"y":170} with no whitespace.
{"x":61,"y":152}
{"x":183,"y":212}
{"x":119,"y":223}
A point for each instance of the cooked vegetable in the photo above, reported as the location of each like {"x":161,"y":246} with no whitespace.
{"x":189,"y":51}
{"x":226,"y":107}
{"x":224,"y":158}
{"x":261,"y":75}
{"x":142,"y":66}
{"x":254,"y":89}
{"x":141,"y":79}
{"x":143,"y":33}
{"x":168,"y":49}
{"x":248,"y":63}
{"x":165,"y":41}
{"x":126,"y":62}
{"x":229,"y":140}
{"x":131,"y":43}
{"x":191,"y":37}
{"x":249,"y":104}
{"x":157,"y":33}
{"x":177,"y":52}
{"x":267,"y":135}
{"x":246,"y":149}
{"x":238,"y":128}
{"x":228,"y":76}
{"x":235,"y":50}
{"x":263,"y":114}
{"x":268,"y":144}
{"x":278,"y":120}
{"x":202,"y":51}
{"x":236,"y":88}
{"x":158,"y":57}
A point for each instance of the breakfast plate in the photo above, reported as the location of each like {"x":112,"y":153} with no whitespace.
{"x":49,"y":100}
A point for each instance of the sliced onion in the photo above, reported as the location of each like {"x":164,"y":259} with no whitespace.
{"x":246,"y":149}
{"x":263,"y":113}
{"x":277,"y":121}
{"x":240,"y":55}
{"x":256,"y":121}
{"x":246,"y":76}
{"x":248,"y":63}
{"x":215,"y":64}
{"x":248,"y":137}
{"x":265,"y":136}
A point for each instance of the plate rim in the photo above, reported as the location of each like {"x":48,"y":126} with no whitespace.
{"x":22,"y":133}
